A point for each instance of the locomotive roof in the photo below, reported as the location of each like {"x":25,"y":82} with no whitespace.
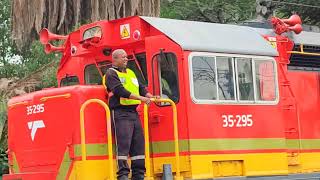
{"x":212,"y":37}
{"x":305,"y":37}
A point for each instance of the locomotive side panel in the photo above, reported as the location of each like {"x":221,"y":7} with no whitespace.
{"x":225,"y":131}
{"x":44,"y":130}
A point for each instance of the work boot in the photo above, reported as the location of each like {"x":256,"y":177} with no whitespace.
{"x":123,"y":178}
{"x":138,"y":177}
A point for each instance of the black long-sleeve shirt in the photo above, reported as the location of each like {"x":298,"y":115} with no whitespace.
{"x":114,"y":85}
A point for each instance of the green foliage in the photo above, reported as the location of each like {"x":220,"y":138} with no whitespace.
{"x":236,"y":11}
{"x":49,"y":78}
{"x":227,"y":11}
{"x":7,"y":49}
{"x":3,"y":140}
{"x":3,"y":111}
{"x":12,"y":62}
{"x":35,"y":58}
{"x":4,"y":166}
{"x":30,"y":61}
{"x":309,"y":10}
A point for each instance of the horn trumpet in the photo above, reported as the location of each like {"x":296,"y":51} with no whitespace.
{"x":46,"y":36}
{"x":51,"y":48}
{"x":284,"y":25}
{"x":293,"y":20}
{"x":296,"y":28}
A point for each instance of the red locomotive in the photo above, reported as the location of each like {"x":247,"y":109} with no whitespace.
{"x":247,"y":102}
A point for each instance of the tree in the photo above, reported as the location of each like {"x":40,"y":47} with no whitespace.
{"x":237,"y":11}
{"x":7,"y":49}
{"x":264,"y":9}
{"x":309,"y":10}
{"x":227,"y":11}
{"x":61,"y":16}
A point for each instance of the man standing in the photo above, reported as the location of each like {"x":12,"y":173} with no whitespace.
{"x":125,"y":94}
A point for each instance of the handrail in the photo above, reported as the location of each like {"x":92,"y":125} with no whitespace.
{"x":67,"y":95}
{"x":303,"y":52}
{"x":176,"y":138}
{"x":83,"y":135}
{"x":18,"y":103}
{"x":146,"y":139}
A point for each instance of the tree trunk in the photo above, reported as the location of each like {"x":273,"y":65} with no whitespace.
{"x":264,"y":9}
{"x":61,"y":16}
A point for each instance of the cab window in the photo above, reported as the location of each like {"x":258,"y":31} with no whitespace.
{"x":228,"y":79}
{"x":139,"y":67}
{"x":142,"y":61}
{"x":204,"y":77}
{"x":93,"y":77}
{"x":166,"y":85}
{"x":245,"y":79}
{"x":225,"y":77}
{"x":69,"y":81}
{"x":265,"y":80}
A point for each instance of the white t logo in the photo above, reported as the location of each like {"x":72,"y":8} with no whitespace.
{"x":34,"y":125}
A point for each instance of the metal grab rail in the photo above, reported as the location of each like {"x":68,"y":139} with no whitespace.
{"x":18,"y":103}
{"x":176,"y":138}
{"x":303,"y":52}
{"x":67,"y":95}
{"x":83,"y":135}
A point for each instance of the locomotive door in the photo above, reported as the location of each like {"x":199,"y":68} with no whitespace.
{"x":163,"y":56}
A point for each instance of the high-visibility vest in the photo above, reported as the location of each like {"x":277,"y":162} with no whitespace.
{"x":130,"y":82}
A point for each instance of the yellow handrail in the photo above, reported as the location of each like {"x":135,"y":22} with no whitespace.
{"x":176,"y":138}
{"x":67,"y":95}
{"x":83,"y":135}
{"x":18,"y":103}
{"x":303,"y":52}
{"x":146,"y":139}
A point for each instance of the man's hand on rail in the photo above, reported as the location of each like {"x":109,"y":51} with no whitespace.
{"x":145,"y":100}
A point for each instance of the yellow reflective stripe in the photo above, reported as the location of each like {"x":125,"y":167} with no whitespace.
{"x":93,"y":149}
{"x":65,"y":166}
{"x":212,"y":145}
{"x":168,"y":146}
{"x":305,"y":144}
{"x":236,"y":144}
{"x":15,"y":167}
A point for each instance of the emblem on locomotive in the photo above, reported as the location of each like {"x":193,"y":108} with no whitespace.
{"x":34,"y":126}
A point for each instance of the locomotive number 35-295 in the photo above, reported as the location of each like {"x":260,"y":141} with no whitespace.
{"x":34,"y":109}
{"x":237,"y":120}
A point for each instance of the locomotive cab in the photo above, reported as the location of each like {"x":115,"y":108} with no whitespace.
{"x":235,"y":108}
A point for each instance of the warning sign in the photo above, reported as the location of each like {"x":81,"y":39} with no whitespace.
{"x":125,"y":31}
{"x":273,"y":42}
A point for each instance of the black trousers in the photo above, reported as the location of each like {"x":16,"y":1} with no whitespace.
{"x":129,"y":141}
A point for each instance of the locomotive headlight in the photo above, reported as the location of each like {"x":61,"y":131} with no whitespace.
{"x":136,"y":35}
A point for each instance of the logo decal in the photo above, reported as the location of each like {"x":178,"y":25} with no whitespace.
{"x":34,"y":126}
